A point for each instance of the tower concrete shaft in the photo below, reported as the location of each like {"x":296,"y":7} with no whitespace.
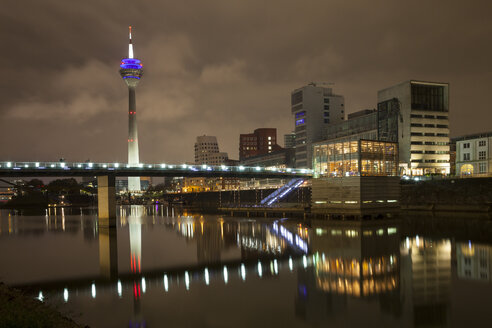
{"x":133,"y":157}
{"x":131,"y":72}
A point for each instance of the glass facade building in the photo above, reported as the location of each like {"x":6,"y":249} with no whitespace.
{"x":355,"y":158}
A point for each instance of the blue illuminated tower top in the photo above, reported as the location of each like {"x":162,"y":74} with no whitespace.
{"x":131,"y":68}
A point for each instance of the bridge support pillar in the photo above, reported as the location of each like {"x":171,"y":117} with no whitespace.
{"x":108,"y":252}
{"x":106,"y":200}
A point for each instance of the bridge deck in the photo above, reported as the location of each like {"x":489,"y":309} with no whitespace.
{"x":62,"y":169}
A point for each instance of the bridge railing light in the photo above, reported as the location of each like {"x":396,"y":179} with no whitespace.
{"x":140,"y":165}
{"x":116,"y":165}
{"x":258,"y":168}
{"x":90,"y":165}
{"x":37,"y":164}
{"x":163,"y":166}
{"x":184,"y":166}
{"x":241,"y":168}
{"x":9,"y":164}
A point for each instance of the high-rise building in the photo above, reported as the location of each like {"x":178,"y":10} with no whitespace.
{"x":261,"y":141}
{"x":422,"y":125}
{"x":131,"y":72}
{"x":313,"y":108}
{"x":207,"y":151}
{"x":290,"y":140}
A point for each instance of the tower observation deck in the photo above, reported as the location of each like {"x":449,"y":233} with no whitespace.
{"x":131,"y":71}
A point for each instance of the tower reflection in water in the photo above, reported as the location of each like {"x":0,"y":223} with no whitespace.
{"x":338,"y":265}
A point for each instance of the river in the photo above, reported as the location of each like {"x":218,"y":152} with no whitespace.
{"x":164,"y":267}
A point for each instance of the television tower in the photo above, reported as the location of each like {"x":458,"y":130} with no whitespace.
{"x":131,"y":71}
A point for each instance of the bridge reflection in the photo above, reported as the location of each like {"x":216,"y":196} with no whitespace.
{"x":336,"y":265}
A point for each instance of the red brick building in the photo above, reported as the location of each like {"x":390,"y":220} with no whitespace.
{"x":261,"y":141}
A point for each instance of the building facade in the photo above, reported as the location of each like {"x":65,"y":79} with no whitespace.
{"x":290,"y":140}
{"x":207,"y":151}
{"x":422,"y":125}
{"x":282,"y":158}
{"x":261,"y":141}
{"x":313,"y":108}
{"x":473,"y":154}
{"x":359,"y":125}
{"x":355,"y":158}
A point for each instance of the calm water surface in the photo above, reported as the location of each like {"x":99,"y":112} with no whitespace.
{"x":162,"y":267}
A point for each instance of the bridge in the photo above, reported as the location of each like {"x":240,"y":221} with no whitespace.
{"x":106,"y":174}
{"x":62,"y":169}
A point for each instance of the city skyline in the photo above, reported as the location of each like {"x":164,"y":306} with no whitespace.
{"x":220,"y":69}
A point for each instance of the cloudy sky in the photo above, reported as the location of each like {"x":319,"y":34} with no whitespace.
{"x":221,"y":68}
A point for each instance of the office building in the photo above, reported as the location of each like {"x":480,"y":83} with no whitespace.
{"x":314,"y":108}
{"x":473,"y":154}
{"x":359,"y":125}
{"x":131,"y":72}
{"x":290,"y":140}
{"x":207,"y":151}
{"x":261,"y":141}
{"x":422,"y":125}
{"x":282,"y":158}
{"x":121,"y":185}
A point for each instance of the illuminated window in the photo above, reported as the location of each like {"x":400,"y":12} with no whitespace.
{"x":301,"y":114}
{"x":299,"y":122}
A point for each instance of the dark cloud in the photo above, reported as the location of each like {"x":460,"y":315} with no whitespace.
{"x":220,"y":68}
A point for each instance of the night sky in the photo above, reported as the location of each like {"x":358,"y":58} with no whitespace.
{"x":221,"y":68}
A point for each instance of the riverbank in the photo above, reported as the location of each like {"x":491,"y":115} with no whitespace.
{"x":448,"y":195}
{"x":19,"y":310}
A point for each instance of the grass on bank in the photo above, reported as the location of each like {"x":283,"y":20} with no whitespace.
{"x":18,"y":310}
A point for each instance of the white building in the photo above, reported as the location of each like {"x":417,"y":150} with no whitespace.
{"x":473,"y":154}
{"x":423,"y":125}
{"x":313,"y":108}
{"x":207,"y":151}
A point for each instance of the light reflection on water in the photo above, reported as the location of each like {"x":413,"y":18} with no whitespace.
{"x":302,"y":273}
